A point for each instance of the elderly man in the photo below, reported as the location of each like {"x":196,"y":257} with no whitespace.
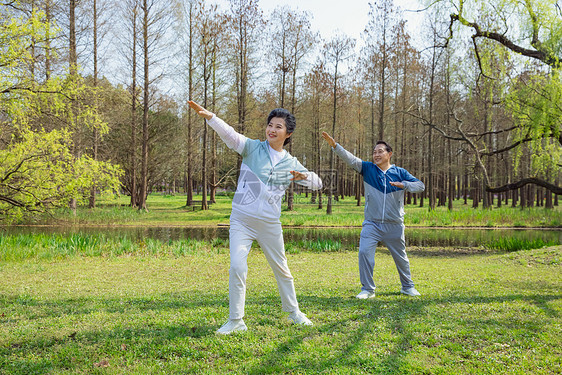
{"x":385,"y":185}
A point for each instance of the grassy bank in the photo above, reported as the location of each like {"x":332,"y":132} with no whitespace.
{"x":157,"y":313}
{"x":60,"y":246}
{"x":171,"y":210}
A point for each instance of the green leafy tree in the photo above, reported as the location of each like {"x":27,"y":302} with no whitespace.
{"x":38,"y":171}
{"x":531,"y":29}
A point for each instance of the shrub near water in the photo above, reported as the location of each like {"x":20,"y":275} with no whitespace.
{"x":43,"y":246}
{"x":316,"y":246}
{"x":56,"y":246}
{"x":516,"y":244}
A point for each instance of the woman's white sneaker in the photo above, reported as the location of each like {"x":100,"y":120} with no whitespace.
{"x":365,"y":294}
{"x":410,"y":292}
{"x":299,"y":318}
{"x":233,"y":325}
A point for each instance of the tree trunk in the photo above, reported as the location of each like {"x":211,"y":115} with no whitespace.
{"x":92,"y":202}
{"x":430,"y":151}
{"x":204,"y":179}
{"x":334,"y":114}
{"x":49,"y":18}
{"x":548,"y":200}
{"x":73,"y":68}
{"x":475,"y":194}
{"x":133,"y":148}
{"x":189,"y":191}
{"x":451,"y":177}
{"x":212,"y":196}
{"x":357,"y":175}
{"x":144,"y":170}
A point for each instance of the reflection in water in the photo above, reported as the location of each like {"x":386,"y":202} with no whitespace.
{"x":347,"y":236}
{"x":432,"y":236}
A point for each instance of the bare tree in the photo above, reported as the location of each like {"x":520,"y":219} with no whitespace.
{"x":209,"y":27}
{"x":245,"y":22}
{"x":378,"y":51}
{"x":131,"y":11}
{"x":100,"y":10}
{"x":73,"y":70}
{"x":155,"y":21}
{"x":338,"y":50}
{"x":291,"y":41}
{"x":186,"y":33}
{"x":317,"y":84}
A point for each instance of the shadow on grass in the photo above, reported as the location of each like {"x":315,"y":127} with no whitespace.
{"x":82,"y":349}
{"x":399,"y":312}
{"x":161,"y":339}
{"x":40,"y":309}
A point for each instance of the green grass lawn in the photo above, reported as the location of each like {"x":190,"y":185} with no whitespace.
{"x":171,"y":210}
{"x":480,"y":312}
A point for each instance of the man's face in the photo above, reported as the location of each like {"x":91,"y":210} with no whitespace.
{"x":381,"y":156}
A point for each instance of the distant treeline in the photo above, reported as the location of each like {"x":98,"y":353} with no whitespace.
{"x":473,"y":109}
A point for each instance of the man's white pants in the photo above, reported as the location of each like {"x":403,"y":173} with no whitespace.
{"x":243,"y":231}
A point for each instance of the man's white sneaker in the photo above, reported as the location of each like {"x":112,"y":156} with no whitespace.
{"x":299,"y":318}
{"x":410,"y":292}
{"x":233,"y":325}
{"x":365,"y":295}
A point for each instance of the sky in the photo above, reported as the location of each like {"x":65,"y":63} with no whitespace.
{"x":347,"y":16}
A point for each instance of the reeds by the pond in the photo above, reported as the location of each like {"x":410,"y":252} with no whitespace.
{"x":17,"y":247}
{"x":504,"y":216}
{"x":516,"y":244}
{"x":53,"y":246}
{"x":317,"y":246}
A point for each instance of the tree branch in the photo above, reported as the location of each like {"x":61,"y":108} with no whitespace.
{"x":536,"y":53}
{"x":227,"y":174}
{"x":15,"y":203}
{"x":477,"y":53}
{"x":16,"y":168}
{"x":464,"y":136}
{"x":516,"y":185}
{"x":512,"y":146}
{"x":15,"y":88}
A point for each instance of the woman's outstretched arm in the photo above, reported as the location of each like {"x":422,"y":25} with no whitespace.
{"x":230,"y":137}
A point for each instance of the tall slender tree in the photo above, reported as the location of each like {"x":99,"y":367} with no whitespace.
{"x":383,"y":15}
{"x":337,"y":51}
{"x":245,"y":23}
{"x":131,"y":9}
{"x":208,"y":28}
{"x":155,"y":20}
{"x":186,"y":32}
{"x":291,"y":41}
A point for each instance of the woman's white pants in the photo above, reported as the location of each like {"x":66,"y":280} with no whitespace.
{"x":243,"y":231}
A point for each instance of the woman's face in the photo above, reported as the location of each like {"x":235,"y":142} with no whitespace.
{"x":276,"y":132}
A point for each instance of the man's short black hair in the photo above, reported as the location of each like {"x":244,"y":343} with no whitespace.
{"x":386,"y":145}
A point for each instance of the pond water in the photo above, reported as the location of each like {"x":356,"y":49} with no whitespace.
{"x":458,"y":237}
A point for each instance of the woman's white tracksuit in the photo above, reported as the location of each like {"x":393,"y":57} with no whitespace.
{"x":256,"y":209}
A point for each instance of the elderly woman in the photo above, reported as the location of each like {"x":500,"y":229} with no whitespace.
{"x":266,"y":172}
